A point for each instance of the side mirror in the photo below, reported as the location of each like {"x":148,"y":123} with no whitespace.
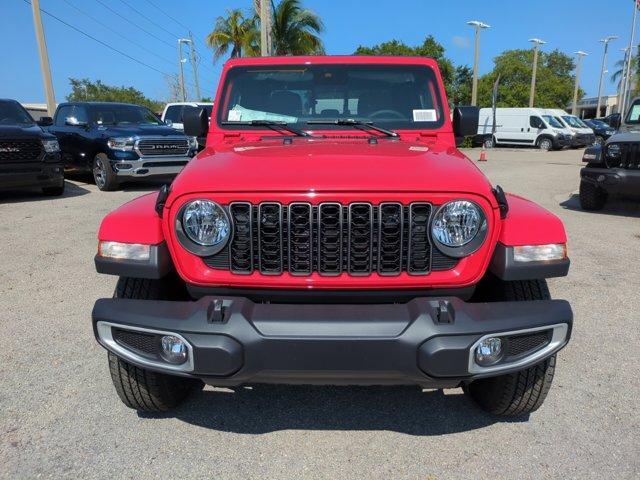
{"x":615,"y":121}
{"x":168,"y":123}
{"x":195,"y":123}
{"x":45,"y":121}
{"x":465,"y":122}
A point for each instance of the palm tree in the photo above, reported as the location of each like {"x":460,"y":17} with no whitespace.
{"x":294,"y":30}
{"x":236,"y":33}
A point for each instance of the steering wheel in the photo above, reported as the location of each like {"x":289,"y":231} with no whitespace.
{"x":393,"y":113}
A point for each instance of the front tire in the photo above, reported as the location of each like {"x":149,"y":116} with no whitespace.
{"x":103,"y":174}
{"x":545,"y":144}
{"x":522,"y":392}
{"x":489,"y":142}
{"x":138,"y":388}
{"x":592,"y":197}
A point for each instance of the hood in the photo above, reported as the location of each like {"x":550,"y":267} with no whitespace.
{"x":26,"y":132}
{"x":625,"y":137}
{"x":140,"y":130}
{"x":327,"y":165}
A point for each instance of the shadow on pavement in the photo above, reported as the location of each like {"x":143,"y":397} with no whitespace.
{"x":36,"y":195}
{"x":268,"y":408}
{"x":615,"y":206}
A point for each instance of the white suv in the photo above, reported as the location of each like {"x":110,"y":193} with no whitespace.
{"x":173,"y":112}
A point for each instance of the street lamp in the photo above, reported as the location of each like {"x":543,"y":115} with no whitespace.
{"x":580,"y":55}
{"x":474,"y":89}
{"x":606,"y":41}
{"x":536,"y":46}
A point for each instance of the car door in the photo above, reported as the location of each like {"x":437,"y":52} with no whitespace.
{"x":174,"y":114}
{"x":535,"y":128}
{"x":80,"y":138}
{"x":62,"y":132}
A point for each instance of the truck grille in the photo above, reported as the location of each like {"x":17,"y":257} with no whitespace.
{"x":629,"y":157}
{"x":149,"y":147}
{"x":20,"y":151}
{"x":330,"y":239}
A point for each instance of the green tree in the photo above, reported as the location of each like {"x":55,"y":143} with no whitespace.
{"x":295,"y":30}
{"x":461,"y":85}
{"x":554,"y":80}
{"x":86,"y":90}
{"x":429,"y":48}
{"x":236,"y":34}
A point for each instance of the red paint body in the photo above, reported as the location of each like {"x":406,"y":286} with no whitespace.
{"x":423,"y":165}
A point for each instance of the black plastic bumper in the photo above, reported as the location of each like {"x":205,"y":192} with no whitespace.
{"x":425,"y":341}
{"x":613,"y":180}
{"x":24,"y":175}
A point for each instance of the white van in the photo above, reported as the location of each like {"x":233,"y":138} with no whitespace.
{"x":581,"y":134}
{"x":173,"y":112}
{"x":522,"y":126}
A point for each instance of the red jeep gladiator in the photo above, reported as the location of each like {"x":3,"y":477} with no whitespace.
{"x":331,"y":233}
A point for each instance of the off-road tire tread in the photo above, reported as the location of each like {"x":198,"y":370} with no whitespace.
{"x":592,"y":197}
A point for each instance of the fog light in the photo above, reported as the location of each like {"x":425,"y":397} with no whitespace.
{"x":173,"y":349}
{"x":489,"y":351}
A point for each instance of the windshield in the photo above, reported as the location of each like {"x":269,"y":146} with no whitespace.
{"x":575,"y":122}
{"x":12,"y":113}
{"x":634,"y":113}
{"x":123,"y":115}
{"x":552,"y":121}
{"x":598,"y":124}
{"x":392,"y":96}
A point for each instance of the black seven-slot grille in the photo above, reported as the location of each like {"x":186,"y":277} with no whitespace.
{"x":359,"y":239}
{"x":629,"y":156}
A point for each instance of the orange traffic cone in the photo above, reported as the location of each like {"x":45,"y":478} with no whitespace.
{"x":483,"y":156}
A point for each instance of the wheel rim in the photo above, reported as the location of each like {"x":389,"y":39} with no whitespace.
{"x":488,"y":143}
{"x":99,"y":173}
{"x":545,"y":144}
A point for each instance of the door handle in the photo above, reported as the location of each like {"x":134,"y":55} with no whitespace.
{"x":522,"y":129}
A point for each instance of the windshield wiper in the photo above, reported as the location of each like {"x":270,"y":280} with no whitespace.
{"x":273,"y":125}
{"x":355,"y":123}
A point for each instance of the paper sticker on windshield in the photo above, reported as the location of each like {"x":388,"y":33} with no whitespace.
{"x":234,"y":116}
{"x":425,"y":115}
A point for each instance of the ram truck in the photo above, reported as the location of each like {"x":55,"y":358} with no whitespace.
{"x":331,"y":233}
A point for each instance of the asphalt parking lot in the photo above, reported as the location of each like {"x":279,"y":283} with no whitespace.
{"x":60,"y":416}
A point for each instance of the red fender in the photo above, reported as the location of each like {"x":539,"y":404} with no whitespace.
{"x":134,"y":222}
{"x":529,"y":224}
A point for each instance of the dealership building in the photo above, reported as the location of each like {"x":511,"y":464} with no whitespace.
{"x":586,"y":107}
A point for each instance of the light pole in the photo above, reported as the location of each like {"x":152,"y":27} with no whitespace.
{"x":194,"y":66}
{"x":474,"y":88}
{"x":626,"y":85}
{"x":623,"y":80}
{"x":180,"y":63}
{"x":580,"y":55}
{"x":44,"y":58}
{"x":606,"y":41}
{"x":536,"y":46}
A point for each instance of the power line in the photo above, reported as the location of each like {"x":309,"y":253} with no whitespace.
{"x":112,"y":30}
{"x":134,"y":24}
{"x":167,"y":15}
{"x":148,"y":19}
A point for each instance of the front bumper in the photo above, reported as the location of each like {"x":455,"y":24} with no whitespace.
{"x":613,"y":180}
{"x":426,"y":341}
{"x":582,"y":140}
{"x":31,"y":174}
{"x":144,"y":167}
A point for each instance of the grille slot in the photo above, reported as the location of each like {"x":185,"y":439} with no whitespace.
{"x":629,"y":157}
{"x":300,"y":240}
{"x":241,"y":246}
{"x":419,"y":248}
{"x":149,"y":147}
{"x":270,"y":256}
{"x":145,"y":343}
{"x":330,"y":239}
{"x":527,"y":343}
{"x":19,"y":151}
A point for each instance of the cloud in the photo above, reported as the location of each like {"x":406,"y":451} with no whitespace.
{"x":461,"y":42}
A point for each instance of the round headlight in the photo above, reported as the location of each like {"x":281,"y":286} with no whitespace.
{"x":614,"y":150}
{"x":205,"y":223}
{"x":458,"y":224}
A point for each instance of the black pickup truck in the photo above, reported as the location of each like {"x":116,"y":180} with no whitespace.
{"x":119,"y":142}
{"x":29,"y":156}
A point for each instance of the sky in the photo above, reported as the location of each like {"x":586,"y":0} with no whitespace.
{"x":147,"y":31}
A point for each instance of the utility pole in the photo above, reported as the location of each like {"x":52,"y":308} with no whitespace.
{"x":536,"y":46}
{"x":44,"y":58}
{"x":194,"y":66}
{"x":626,"y":85}
{"x":474,"y":88}
{"x":265,"y":28}
{"x":623,"y":80}
{"x":181,"y":64}
{"x":606,"y":41}
{"x":574,"y":107}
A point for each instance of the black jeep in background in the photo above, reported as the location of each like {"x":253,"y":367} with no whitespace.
{"x":29,"y":156}
{"x":613,"y":168}
{"x":119,"y":142}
